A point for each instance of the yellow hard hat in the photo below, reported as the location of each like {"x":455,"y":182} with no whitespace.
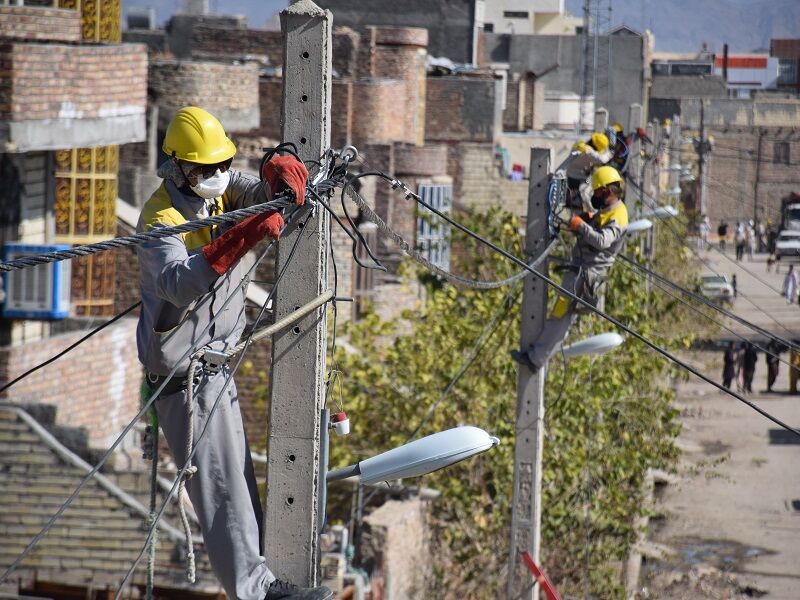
{"x":604,"y":176}
{"x":600,"y":142}
{"x":617,"y":127}
{"x":195,"y":135}
{"x":580,"y":147}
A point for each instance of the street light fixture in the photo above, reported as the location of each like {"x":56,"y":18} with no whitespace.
{"x":419,"y":457}
{"x":661,"y":212}
{"x":639,"y":225}
{"x":596,"y":344}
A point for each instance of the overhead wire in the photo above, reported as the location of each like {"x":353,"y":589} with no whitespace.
{"x":71,"y":347}
{"x":652,"y":345}
{"x":663,"y":284}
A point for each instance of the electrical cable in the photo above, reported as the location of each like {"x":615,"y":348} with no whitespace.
{"x":55,"y":357}
{"x":652,"y":345}
{"x":660,"y":283}
{"x":179,"y":477}
{"x":676,"y":235}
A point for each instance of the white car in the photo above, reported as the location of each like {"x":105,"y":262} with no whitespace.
{"x":716,"y":288}
{"x":787,"y":244}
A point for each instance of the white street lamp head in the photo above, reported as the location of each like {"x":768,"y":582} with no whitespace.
{"x":639,"y":225}
{"x":422,"y":456}
{"x":597,"y":344}
{"x":661,"y":212}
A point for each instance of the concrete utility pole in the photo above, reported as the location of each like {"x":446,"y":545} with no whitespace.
{"x":527,"y":499}
{"x":674,"y":178}
{"x":297,"y":394}
{"x":758,"y":174}
{"x":635,"y":164}
{"x":702,"y":147}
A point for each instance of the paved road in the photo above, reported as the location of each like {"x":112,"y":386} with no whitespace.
{"x":737,"y":505}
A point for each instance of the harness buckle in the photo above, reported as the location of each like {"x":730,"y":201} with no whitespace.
{"x":214,"y":360}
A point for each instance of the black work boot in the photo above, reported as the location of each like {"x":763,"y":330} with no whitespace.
{"x":283,"y":590}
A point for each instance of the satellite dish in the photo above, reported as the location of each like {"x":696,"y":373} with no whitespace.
{"x":597,"y":344}
{"x":419,"y":457}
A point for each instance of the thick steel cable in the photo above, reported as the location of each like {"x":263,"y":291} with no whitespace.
{"x":146,"y":406}
{"x":633,"y":266}
{"x":182,"y":473}
{"x":666,"y":353}
{"x":390,"y":233}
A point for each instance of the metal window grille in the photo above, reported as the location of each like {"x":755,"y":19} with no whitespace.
{"x":781,"y":153}
{"x":433,"y":234}
{"x":85,"y":212}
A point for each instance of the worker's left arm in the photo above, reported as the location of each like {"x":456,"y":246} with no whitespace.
{"x":603,"y":238}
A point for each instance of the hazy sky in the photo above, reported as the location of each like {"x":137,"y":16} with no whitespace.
{"x":257,"y":12}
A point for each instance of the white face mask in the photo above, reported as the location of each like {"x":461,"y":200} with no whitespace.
{"x":213,"y":186}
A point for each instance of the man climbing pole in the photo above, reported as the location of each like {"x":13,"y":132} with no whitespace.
{"x":184,"y":281}
{"x":591,"y":154}
{"x":599,"y":240}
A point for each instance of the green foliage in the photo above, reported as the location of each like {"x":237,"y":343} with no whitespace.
{"x":608,"y":419}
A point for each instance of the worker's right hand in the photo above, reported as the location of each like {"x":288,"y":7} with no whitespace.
{"x":575,"y":223}
{"x":232,"y":245}
{"x":287,"y":171}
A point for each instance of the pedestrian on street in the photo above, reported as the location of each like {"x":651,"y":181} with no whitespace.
{"x":722,"y":233}
{"x":740,"y":239}
{"x":773,"y":363}
{"x":703,"y":230}
{"x":729,"y":364}
{"x":752,"y":241}
{"x":790,"y":282}
{"x":735,"y":286}
{"x":184,"y":281}
{"x":749,"y":359}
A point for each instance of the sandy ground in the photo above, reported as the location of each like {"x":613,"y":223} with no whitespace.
{"x":733,"y":517}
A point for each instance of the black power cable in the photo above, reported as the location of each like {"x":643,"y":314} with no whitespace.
{"x":666,"y":353}
{"x":71,"y":347}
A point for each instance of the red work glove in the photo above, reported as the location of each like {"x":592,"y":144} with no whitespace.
{"x":224,"y":251}
{"x":290,"y":172}
{"x":575,"y":223}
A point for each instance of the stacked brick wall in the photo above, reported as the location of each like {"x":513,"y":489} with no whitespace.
{"x":346,"y":45}
{"x":270,"y":98}
{"x":53,"y":81}
{"x":511,"y":111}
{"x":379,"y":111}
{"x":478,"y":182}
{"x":96,"y":386}
{"x":399,"y":53}
{"x":733,"y":167}
{"x":35,"y":23}
{"x":460,"y":108}
{"x":341,"y":113}
{"x":126,"y":289}
{"x":229,"y":92}
{"x":209,"y":41}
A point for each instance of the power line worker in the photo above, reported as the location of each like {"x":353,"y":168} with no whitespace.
{"x":599,"y":239}
{"x":591,"y":154}
{"x":184,"y":282}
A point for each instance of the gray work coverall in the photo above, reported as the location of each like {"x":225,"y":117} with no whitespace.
{"x":180,"y":294}
{"x":599,"y":241}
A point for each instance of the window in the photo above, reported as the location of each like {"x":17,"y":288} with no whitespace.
{"x":515,"y":14}
{"x":780,"y":153}
{"x":488,"y":27}
{"x":85,"y":212}
{"x":787,"y":71}
{"x":433,"y":235}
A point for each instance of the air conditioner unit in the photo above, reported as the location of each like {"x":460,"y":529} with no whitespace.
{"x":40,"y":292}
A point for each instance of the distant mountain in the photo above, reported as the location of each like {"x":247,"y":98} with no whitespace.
{"x":684,"y":25}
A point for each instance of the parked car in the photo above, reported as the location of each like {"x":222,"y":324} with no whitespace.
{"x":716,"y":288}
{"x":787,"y":244}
